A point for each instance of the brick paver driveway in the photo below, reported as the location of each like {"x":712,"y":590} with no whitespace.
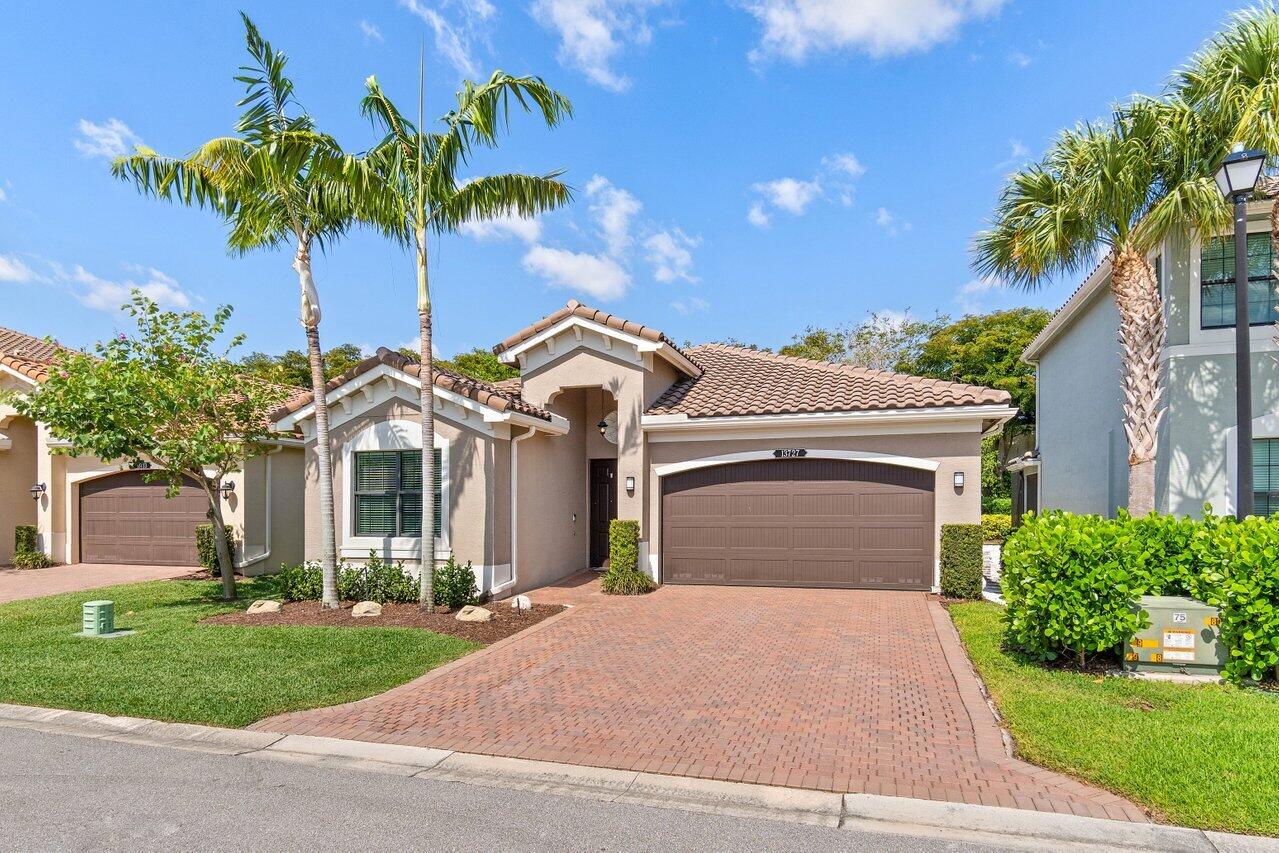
{"x":17,"y":584}
{"x":837,"y":690}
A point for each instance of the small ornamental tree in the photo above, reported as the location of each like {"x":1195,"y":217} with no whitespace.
{"x":167,"y":396}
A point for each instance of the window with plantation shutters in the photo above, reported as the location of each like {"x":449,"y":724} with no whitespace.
{"x":388,"y":493}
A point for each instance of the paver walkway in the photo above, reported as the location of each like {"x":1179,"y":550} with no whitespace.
{"x":835,"y":690}
{"x":17,"y":584}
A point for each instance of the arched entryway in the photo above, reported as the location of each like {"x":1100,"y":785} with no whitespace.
{"x":799,"y":522}
{"x":124,"y":519}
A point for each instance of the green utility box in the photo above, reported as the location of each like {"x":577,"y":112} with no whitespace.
{"x":1184,"y":637}
{"x":98,"y":618}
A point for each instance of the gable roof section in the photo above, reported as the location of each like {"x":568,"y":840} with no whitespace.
{"x":481,"y":392}
{"x":602,"y":318}
{"x":1060,"y":320}
{"x":737,"y":381}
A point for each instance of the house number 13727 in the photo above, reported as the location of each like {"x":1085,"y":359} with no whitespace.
{"x":790,"y":453}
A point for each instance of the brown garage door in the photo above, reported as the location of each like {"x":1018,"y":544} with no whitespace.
{"x":126,"y":520}
{"x":799,"y":522}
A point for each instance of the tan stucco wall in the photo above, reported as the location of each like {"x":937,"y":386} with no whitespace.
{"x":246,"y":512}
{"x":17,"y":475}
{"x":476,"y":463}
{"x":953,"y":451}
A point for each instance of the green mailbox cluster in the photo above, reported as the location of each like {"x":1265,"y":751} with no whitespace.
{"x":1183,"y":636}
{"x":98,"y":618}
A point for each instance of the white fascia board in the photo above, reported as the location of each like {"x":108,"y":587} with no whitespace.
{"x":1067,"y":312}
{"x":21,"y":377}
{"x":950,"y":415}
{"x":346,"y":389}
{"x":511,"y":355}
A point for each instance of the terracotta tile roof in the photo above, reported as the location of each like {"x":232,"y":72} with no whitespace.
{"x":37,"y":370}
{"x":612,"y":321}
{"x":513,"y":387}
{"x":740,"y":381}
{"x":27,"y":354}
{"x":480,"y":392}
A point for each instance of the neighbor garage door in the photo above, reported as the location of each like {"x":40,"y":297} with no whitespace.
{"x":126,"y":520}
{"x":799,"y":522}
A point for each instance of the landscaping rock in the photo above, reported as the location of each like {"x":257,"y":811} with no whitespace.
{"x":366,"y":608}
{"x":471,"y":613}
{"x":521,"y":602}
{"x":264,"y":605}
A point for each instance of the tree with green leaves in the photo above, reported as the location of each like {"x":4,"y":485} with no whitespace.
{"x":426,"y":196}
{"x":882,"y":341}
{"x":479,"y":364}
{"x":278,"y":182}
{"x":168,"y":396}
{"x":1105,"y":190}
{"x":293,"y":367}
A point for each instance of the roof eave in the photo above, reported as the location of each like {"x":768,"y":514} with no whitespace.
{"x":1067,"y":312}
{"x":998,"y":412}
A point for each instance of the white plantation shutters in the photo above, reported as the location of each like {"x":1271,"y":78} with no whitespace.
{"x":388,"y":493}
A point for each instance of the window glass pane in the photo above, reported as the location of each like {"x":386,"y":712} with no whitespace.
{"x":375,"y":471}
{"x":411,"y":470}
{"x":1265,"y":476}
{"x":411,"y":518}
{"x":375,"y":515}
{"x":1217,"y":290}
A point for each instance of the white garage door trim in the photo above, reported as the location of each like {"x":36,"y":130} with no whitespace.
{"x":809,"y":453}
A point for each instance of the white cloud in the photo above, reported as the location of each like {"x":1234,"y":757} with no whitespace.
{"x":14,"y":270}
{"x":845,"y":163}
{"x":795,"y":29}
{"x":613,"y":209}
{"x":3,"y":196}
{"x":670,"y":253}
{"x":110,"y":140}
{"x":459,"y":26}
{"x":756,"y":216}
{"x":790,"y":194}
{"x":503,"y":228}
{"x":371,"y":31}
{"x":888,"y":221}
{"x":691,"y":305}
{"x":593,"y":33}
{"x":971,"y":295}
{"x":107,"y":295}
{"x":597,"y":276}
{"x":1018,"y":154}
{"x":1019,"y":59}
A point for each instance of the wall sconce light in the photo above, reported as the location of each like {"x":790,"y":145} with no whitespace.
{"x":226,"y":490}
{"x":630,"y":484}
{"x":959,"y":479}
{"x":37,"y":491}
{"x":602,"y":426}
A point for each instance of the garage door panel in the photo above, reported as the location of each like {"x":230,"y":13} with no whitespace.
{"x":799,"y":522}
{"x":124,"y":519}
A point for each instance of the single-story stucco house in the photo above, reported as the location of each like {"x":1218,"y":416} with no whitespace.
{"x":741,"y":466}
{"x":87,"y":510}
{"x":1081,"y":464}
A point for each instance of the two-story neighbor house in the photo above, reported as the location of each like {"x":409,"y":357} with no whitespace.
{"x":742,"y":467}
{"x":1082,"y":459}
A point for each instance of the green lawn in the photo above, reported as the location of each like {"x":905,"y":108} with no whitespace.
{"x":1205,"y":756}
{"x":174,"y":669}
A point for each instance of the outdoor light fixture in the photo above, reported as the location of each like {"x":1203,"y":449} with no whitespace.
{"x":959,"y":479}
{"x":36,"y":491}
{"x":630,"y":484}
{"x":602,"y":426}
{"x":1238,"y":173}
{"x":1236,"y":177}
{"x":226,"y":489}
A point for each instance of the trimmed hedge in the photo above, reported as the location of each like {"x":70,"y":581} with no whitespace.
{"x":961,"y":560}
{"x":1069,"y":581}
{"x":995,"y":526}
{"x":206,"y":547}
{"x":623,"y":576}
{"x":380,"y":581}
{"x":26,"y":552}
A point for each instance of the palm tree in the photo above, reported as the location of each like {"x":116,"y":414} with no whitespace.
{"x":1106,"y":191}
{"x":277,"y":182}
{"x":426,"y":196}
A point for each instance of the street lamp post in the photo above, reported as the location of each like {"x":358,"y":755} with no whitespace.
{"x":1236,"y":177}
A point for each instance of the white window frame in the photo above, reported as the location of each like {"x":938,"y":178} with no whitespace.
{"x":392,"y":435}
{"x":1217,"y":341}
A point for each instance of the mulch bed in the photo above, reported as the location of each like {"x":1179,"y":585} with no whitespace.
{"x":504,"y":623}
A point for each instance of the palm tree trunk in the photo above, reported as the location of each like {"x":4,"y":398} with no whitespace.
{"x":323,"y":452}
{"x":426,"y":400}
{"x":225,"y":566}
{"x":1141,"y":339}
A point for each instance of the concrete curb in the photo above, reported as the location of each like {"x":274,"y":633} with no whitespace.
{"x":865,"y":812}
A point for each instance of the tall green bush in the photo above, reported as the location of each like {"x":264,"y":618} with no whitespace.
{"x":995,"y":526}
{"x":24,"y":538}
{"x":454,"y":585}
{"x":206,"y":546}
{"x":623,"y":576}
{"x":961,"y":560}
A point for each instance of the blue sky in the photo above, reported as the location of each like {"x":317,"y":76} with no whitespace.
{"x":743,"y":168}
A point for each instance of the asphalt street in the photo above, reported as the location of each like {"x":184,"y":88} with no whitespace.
{"x":61,"y":792}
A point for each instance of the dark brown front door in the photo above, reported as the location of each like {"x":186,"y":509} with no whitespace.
{"x":603,"y":506}
{"x":124,"y":519}
{"x":799,"y":522}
